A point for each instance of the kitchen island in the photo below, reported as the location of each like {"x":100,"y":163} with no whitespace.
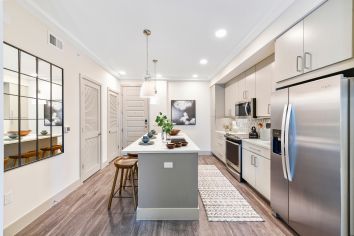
{"x":167,"y":180}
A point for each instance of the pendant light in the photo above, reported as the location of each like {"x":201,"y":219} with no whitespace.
{"x":147,"y":89}
{"x":154,"y":99}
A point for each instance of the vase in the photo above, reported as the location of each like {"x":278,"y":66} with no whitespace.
{"x":164,"y":136}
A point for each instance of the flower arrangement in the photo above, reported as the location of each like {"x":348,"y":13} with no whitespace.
{"x":163,"y":122}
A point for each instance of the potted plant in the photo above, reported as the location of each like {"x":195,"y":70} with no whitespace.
{"x":165,"y":124}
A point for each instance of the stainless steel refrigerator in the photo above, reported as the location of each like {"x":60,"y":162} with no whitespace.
{"x":310,"y":156}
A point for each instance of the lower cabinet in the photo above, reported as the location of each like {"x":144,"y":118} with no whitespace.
{"x":219,"y":146}
{"x":256,"y":171}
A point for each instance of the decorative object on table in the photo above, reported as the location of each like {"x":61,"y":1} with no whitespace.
{"x":183,"y":112}
{"x":44,"y":132}
{"x":253,"y":134}
{"x":13,"y":135}
{"x":150,"y":135}
{"x":153,"y":132}
{"x":174,"y":132}
{"x":57,"y":114}
{"x":145,"y":139}
{"x":170,"y":145}
{"x":221,"y":199}
{"x":185,"y":143}
{"x":148,"y":88}
{"x":178,"y":144}
{"x":166,"y":125}
{"x":21,"y":132}
{"x":148,"y":143}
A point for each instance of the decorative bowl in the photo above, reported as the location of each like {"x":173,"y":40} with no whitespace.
{"x":184,"y":143}
{"x":145,"y":139}
{"x":150,"y":134}
{"x":21,"y":133}
{"x":174,"y":132}
{"x":178,"y":144}
{"x":44,"y":132}
{"x":13,"y":135}
{"x":153,"y":132}
{"x":170,"y":145}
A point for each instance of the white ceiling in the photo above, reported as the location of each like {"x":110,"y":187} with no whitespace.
{"x":182,"y":31}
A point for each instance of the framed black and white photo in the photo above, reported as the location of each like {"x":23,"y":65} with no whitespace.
{"x":57,"y":114}
{"x":183,"y":112}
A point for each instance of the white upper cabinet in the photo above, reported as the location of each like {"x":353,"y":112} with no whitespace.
{"x":217,"y":101}
{"x":289,"y":53}
{"x":250,"y":84}
{"x":322,"y":38}
{"x":264,"y":77}
{"x":228,"y":102}
{"x":328,"y":34}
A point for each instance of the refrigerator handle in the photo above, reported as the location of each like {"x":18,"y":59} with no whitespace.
{"x":287,"y":124}
{"x":283,"y":141}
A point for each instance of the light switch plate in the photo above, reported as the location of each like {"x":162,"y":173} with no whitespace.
{"x":168,"y":165}
{"x":8,"y":198}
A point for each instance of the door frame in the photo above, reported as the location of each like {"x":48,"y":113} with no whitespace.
{"x":119,"y":121}
{"x":83,"y":77}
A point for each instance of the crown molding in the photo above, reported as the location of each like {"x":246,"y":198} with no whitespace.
{"x":35,"y":10}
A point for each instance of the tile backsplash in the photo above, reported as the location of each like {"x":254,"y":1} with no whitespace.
{"x":242,"y":125}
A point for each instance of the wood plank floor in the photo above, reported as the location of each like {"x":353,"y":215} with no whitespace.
{"x":84,"y":212}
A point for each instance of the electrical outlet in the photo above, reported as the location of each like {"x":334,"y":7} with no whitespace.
{"x":8,"y":198}
{"x":168,"y":165}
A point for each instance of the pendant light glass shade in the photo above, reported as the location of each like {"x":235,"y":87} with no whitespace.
{"x":147,"y":89}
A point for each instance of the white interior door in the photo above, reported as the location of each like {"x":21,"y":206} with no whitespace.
{"x":90,"y":113}
{"x":113,"y":125}
{"x":135,"y":114}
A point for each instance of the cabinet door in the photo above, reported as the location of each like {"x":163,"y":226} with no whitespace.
{"x":262,"y":175}
{"x":289,"y":53}
{"x":228,"y":98}
{"x":250,"y":84}
{"x":264,"y":77}
{"x":248,"y":170}
{"x":328,"y":34}
{"x":242,"y":89}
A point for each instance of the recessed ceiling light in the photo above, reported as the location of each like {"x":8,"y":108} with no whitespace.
{"x":158,"y":75}
{"x":220,"y":33}
{"x":122,"y":72}
{"x":195,"y":76}
{"x":203,"y":61}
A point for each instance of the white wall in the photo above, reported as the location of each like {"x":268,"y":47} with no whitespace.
{"x":34,"y":184}
{"x":199,"y":91}
{"x":1,"y":129}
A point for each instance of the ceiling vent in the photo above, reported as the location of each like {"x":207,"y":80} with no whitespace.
{"x":54,"y":41}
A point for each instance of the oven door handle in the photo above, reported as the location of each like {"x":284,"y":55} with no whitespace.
{"x":233,"y":143}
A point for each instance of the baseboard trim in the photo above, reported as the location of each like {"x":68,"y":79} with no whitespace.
{"x":204,"y":153}
{"x":28,"y":218}
{"x":167,"y":213}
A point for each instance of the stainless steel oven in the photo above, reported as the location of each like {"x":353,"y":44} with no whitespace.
{"x":234,"y":156}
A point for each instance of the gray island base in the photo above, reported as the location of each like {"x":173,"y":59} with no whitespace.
{"x":167,"y":181}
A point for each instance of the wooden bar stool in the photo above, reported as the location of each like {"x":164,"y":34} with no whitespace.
{"x":26,"y":156}
{"x":135,"y":170}
{"x":54,"y":148}
{"x":128,"y":165}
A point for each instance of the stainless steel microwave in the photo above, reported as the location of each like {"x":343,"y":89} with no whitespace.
{"x":246,"y":109}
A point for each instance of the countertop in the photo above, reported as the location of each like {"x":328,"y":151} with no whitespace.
{"x":258,"y":142}
{"x":28,"y":138}
{"x":160,"y":147}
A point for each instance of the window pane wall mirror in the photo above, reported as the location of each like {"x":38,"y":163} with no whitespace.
{"x":33,"y":108}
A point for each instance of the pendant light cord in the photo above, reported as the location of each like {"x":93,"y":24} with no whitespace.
{"x":147,"y":54}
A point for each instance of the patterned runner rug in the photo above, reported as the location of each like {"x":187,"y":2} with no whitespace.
{"x":222,"y":201}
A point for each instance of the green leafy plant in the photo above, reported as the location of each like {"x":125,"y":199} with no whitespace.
{"x":163,"y":122}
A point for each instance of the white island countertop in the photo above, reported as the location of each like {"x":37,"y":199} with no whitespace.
{"x":160,"y":147}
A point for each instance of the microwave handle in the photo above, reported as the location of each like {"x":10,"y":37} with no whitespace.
{"x":246,"y":108}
